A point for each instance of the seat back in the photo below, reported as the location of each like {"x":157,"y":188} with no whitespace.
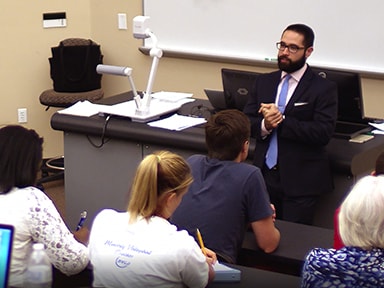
{"x":73,"y":65}
{"x":73,"y":71}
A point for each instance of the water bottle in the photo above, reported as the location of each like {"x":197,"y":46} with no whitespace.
{"x":39,"y":269}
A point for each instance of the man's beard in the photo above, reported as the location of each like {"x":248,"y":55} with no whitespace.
{"x":291,"y":66}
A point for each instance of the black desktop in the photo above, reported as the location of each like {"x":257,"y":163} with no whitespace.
{"x":350,"y":119}
{"x":237,"y":85}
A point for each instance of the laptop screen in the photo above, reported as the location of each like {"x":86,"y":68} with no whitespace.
{"x":6,"y":239}
{"x":216,"y":98}
{"x":237,"y":85}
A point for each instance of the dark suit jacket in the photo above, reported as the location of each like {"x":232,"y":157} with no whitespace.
{"x":310,"y":117}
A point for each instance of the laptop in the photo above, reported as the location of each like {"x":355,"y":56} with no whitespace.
{"x":349,"y":130}
{"x":237,"y":86}
{"x":6,"y":240}
{"x":216,"y":98}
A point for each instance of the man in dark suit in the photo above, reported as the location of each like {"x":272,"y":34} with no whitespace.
{"x":302,"y":126}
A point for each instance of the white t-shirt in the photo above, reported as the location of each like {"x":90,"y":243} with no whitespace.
{"x":36,"y":219}
{"x":144,"y":254}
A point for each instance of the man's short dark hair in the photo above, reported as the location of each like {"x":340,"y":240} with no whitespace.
{"x":20,"y":157}
{"x":226,"y":133}
{"x":306,"y":31}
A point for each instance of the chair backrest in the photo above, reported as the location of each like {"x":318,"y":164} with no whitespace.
{"x":77,"y":42}
{"x":73,"y":71}
{"x":73,"y":65}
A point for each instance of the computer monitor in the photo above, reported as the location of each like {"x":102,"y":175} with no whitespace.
{"x":350,"y":99}
{"x":237,"y":85}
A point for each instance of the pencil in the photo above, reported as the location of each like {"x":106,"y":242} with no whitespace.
{"x":201,"y":241}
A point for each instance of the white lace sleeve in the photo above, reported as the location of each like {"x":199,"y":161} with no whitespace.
{"x":47,"y":227}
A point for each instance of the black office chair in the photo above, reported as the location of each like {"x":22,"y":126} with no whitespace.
{"x":73,"y":71}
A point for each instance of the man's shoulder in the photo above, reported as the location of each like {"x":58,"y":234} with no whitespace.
{"x":244,"y":172}
{"x":196,"y":159}
{"x":224,"y":164}
{"x":244,"y":166}
{"x":315,"y":75}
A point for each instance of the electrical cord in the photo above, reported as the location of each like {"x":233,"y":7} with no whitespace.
{"x":103,"y":139}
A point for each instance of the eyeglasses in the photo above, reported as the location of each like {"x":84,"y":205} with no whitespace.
{"x":291,"y":48}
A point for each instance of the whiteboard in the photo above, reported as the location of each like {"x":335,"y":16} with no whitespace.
{"x":348,"y":34}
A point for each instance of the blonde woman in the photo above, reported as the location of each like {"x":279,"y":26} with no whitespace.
{"x":140,"y":248}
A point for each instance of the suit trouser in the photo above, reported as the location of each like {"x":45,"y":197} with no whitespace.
{"x":294,"y":209}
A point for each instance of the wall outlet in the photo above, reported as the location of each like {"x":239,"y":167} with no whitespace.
{"x":22,"y":115}
{"x":122,"y":21}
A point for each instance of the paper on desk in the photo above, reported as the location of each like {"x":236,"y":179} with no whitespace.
{"x":177,"y":122}
{"x":379,"y":126}
{"x":221,"y":267}
{"x":82,"y":108}
{"x":377,"y":132}
{"x":171,"y":96}
{"x":225,"y":273}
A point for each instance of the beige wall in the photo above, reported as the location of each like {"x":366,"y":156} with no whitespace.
{"x":24,"y":52}
{"x":26,"y":46}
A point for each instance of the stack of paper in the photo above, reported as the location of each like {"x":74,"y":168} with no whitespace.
{"x":379,"y":128}
{"x":82,"y":108}
{"x":177,"y":122}
{"x":171,"y":96}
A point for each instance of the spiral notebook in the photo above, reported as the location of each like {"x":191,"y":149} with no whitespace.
{"x":6,"y":239}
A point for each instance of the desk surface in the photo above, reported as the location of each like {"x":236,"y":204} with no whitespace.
{"x":296,"y":241}
{"x":251,"y":277}
{"x":346,"y":157}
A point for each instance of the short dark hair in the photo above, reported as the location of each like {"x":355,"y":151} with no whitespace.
{"x":21,"y":153}
{"x":226,"y":133}
{"x":306,"y":31}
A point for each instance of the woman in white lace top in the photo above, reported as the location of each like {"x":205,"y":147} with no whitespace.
{"x":30,"y":211}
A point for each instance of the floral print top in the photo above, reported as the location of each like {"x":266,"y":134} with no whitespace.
{"x":347,"y":267}
{"x":36,"y":219}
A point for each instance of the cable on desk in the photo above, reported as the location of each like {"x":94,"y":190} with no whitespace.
{"x":103,"y":140}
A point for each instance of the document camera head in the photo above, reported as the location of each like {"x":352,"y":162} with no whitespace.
{"x":140,"y":27}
